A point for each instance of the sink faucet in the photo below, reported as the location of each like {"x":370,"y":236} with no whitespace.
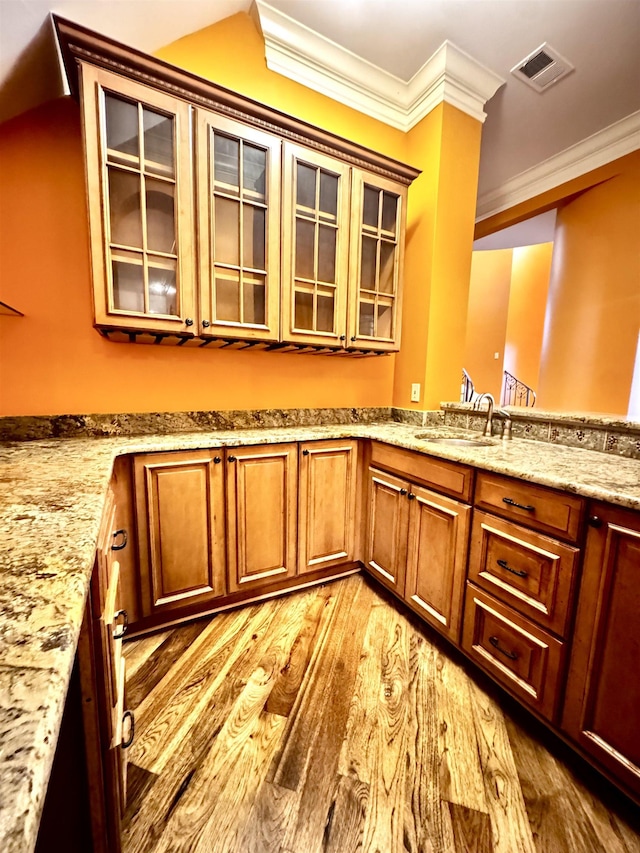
{"x":491,"y":412}
{"x":491,"y":405}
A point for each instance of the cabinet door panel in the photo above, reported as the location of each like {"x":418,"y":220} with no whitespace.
{"x":261,"y":514}
{"x":138,"y":155}
{"x":239,"y":178}
{"x":388,"y":515}
{"x":327,"y":504}
{"x":603,"y":688}
{"x":436,"y":562}
{"x":180,"y":512}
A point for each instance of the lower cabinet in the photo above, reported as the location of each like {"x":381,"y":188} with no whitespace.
{"x":180,"y":511}
{"x":262,"y":512}
{"x":417,"y":546}
{"x":327,"y":504}
{"x":602,"y":702}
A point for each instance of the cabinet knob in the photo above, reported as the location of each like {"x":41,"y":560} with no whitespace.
{"x":354,"y":338}
{"x":217,"y":460}
{"x":595,"y":521}
{"x":128,"y":715}
{"x":121,"y":629}
{"x":305,"y":452}
{"x":232,"y":458}
{"x":205,"y":324}
{"x":118,"y":546}
{"x":412,"y":497}
{"x":403,"y":492}
{"x":188,"y":322}
{"x":343,"y":337}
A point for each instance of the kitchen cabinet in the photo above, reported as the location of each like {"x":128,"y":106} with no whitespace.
{"x":603,"y":688}
{"x":239,"y":180}
{"x":108,"y":726}
{"x":180,"y":511}
{"x":140,"y":199}
{"x":416,"y":537}
{"x":262,"y":514}
{"x":327,"y":504}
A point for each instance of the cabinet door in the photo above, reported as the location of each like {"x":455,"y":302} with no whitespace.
{"x":601,"y":710}
{"x":315,"y":247}
{"x":387,"y":527}
{"x":239,"y":176}
{"x":180,"y":516}
{"x":327,"y":504}
{"x":437,"y":559}
{"x":262,"y":504}
{"x":377,"y":249}
{"x":138,"y":157}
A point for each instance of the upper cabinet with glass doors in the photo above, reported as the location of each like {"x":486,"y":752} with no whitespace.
{"x":140,"y":204}
{"x":377,"y":250}
{"x":239,"y":181}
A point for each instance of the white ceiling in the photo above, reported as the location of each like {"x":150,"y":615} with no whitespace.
{"x":523,"y":128}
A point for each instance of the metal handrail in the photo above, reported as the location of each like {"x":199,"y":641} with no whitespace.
{"x":516,"y":393}
{"x":467,"y":390}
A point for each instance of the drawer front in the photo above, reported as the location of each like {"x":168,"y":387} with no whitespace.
{"x":530,"y":571}
{"x":438,"y":474}
{"x":535,"y":506}
{"x":515,"y":651}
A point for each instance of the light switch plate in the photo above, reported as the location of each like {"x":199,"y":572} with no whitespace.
{"x":415,"y":392}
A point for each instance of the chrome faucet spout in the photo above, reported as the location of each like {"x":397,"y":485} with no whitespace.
{"x":488,"y":427}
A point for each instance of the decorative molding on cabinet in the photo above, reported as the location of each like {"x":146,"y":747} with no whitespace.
{"x":450,"y":75}
{"x":620,"y":138}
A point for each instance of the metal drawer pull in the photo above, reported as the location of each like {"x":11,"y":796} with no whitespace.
{"x":122,"y":544}
{"x":503,"y":564}
{"x":511,"y":502}
{"x":411,"y":496}
{"x":121,"y":629}
{"x":403,"y":492}
{"x":495,"y":642}
{"x":128,"y":715}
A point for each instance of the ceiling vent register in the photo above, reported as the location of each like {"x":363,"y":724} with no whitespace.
{"x":542,"y":68}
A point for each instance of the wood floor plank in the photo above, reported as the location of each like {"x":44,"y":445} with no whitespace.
{"x":344,"y":829}
{"x":471,"y":830}
{"x":560,"y":809}
{"x":271,"y":813}
{"x":460,"y":774}
{"x":160,"y":662}
{"x":137,"y":651}
{"x":510,"y":828}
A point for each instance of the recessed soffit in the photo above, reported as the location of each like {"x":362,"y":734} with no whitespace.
{"x":449,"y":75}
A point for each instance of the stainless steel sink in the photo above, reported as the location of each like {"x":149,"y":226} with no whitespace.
{"x":455,"y":441}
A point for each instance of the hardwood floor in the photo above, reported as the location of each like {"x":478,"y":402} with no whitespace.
{"x":330,"y":720}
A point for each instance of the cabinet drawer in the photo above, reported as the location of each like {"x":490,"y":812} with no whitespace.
{"x":512,"y":649}
{"x":442,"y":476}
{"x":531,"y":572}
{"x":535,"y":506}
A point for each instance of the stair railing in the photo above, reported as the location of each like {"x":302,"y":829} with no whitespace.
{"x":467,"y":390}
{"x":516,"y":393}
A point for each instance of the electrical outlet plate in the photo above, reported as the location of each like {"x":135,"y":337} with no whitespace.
{"x":415,"y":392}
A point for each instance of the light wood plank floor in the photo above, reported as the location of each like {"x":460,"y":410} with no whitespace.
{"x":331,"y":720}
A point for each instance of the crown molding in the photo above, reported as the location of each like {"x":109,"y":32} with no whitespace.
{"x":450,"y":75}
{"x":597,"y":150}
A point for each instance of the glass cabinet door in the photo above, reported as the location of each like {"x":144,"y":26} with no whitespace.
{"x":316,"y":259}
{"x":377,"y":247}
{"x":140,"y":210}
{"x":239,"y":227}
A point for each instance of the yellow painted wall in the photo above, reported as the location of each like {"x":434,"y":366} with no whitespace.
{"x":530,"y":272}
{"x":593,"y":312}
{"x":489,"y":293}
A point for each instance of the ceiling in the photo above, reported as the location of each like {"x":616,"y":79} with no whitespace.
{"x":523,"y":129}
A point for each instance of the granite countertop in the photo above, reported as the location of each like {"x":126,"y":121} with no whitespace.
{"x":51,"y":503}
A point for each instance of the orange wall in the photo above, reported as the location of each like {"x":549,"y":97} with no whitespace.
{"x":52,"y":361}
{"x":527,"y":308}
{"x":593,"y":314}
{"x":487,"y":319}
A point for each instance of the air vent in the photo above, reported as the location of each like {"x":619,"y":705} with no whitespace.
{"x":543,"y":67}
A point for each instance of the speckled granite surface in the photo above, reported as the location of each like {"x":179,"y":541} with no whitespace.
{"x":51,"y":498}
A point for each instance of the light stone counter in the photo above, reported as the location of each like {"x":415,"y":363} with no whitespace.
{"x":51,"y":498}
